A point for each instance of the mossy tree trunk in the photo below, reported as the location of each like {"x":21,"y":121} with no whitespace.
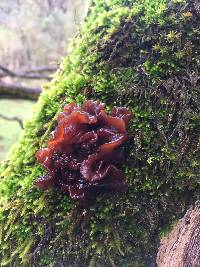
{"x":143,"y":54}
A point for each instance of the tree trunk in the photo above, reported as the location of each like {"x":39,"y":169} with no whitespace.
{"x":181,"y":247}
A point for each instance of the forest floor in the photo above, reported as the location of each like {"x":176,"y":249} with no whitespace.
{"x":10,"y":130}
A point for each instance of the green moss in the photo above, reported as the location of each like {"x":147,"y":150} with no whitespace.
{"x":141,"y":54}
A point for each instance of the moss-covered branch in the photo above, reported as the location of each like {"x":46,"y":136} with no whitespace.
{"x":143,"y":54}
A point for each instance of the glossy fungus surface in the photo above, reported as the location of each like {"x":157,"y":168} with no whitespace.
{"x":85,"y":152}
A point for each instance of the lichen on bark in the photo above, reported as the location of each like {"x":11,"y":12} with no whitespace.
{"x":144,"y":55}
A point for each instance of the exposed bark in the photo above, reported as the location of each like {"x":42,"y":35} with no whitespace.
{"x":181,"y":248}
{"x":8,"y":90}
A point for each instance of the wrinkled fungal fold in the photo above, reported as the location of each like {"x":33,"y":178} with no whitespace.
{"x":85,"y":152}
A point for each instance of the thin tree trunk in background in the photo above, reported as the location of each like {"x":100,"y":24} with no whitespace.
{"x":181,"y":247}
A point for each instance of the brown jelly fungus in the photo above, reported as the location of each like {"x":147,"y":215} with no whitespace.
{"x":84,"y":154}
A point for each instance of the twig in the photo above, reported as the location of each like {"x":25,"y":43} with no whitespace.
{"x":12,"y":119}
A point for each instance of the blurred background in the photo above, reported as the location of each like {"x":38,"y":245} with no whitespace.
{"x":34,"y":37}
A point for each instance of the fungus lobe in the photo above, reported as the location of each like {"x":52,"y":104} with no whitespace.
{"x":84,"y":154}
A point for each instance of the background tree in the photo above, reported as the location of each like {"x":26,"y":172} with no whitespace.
{"x":36,"y":33}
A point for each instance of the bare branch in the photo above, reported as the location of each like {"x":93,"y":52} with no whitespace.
{"x":42,"y":69}
{"x":31,"y":74}
{"x":8,"y":90}
{"x":12,"y":119}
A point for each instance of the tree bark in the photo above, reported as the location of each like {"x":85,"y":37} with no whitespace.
{"x":181,"y":247}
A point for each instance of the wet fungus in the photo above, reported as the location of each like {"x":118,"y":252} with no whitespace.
{"x":85,"y":151}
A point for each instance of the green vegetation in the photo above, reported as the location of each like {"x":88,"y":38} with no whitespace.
{"x":10,"y":130}
{"x":143,"y":54}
